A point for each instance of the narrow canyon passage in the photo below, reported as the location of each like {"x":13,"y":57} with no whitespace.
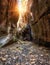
{"x":24,"y":32}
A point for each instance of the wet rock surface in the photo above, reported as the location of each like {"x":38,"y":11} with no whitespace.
{"x":24,"y":53}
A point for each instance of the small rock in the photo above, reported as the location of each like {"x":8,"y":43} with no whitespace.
{"x":3,"y":59}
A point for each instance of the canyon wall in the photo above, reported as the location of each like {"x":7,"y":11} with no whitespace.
{"x":41,"y":24}
{"x":8,"y":14}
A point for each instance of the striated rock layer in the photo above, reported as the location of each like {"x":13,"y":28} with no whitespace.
{"x":41,"y":24}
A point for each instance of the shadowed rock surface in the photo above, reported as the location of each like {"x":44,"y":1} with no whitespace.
{"x":5,"y":39}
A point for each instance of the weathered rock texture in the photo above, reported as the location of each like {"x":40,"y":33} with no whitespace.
{"x":8,"y":14}
{"x":41,"y":24}
{"x":41,"y":12}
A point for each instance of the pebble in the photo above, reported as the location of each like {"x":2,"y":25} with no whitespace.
{"x":3,"y":59}
{"x":24,"y":55}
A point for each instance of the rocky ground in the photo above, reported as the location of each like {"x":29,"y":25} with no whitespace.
{"x":24,"y":53}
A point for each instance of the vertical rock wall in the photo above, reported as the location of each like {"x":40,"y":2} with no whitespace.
{"x":41,"y":24}
{"x":8,"y":14}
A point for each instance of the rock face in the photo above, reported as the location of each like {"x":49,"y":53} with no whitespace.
{"x":5,"y":39}
{"x":27,"y":34}
{"x":8,"y":14}
{"x":8,"y":20}
{"x":41,"y":24}
{"x":41,"y":13}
